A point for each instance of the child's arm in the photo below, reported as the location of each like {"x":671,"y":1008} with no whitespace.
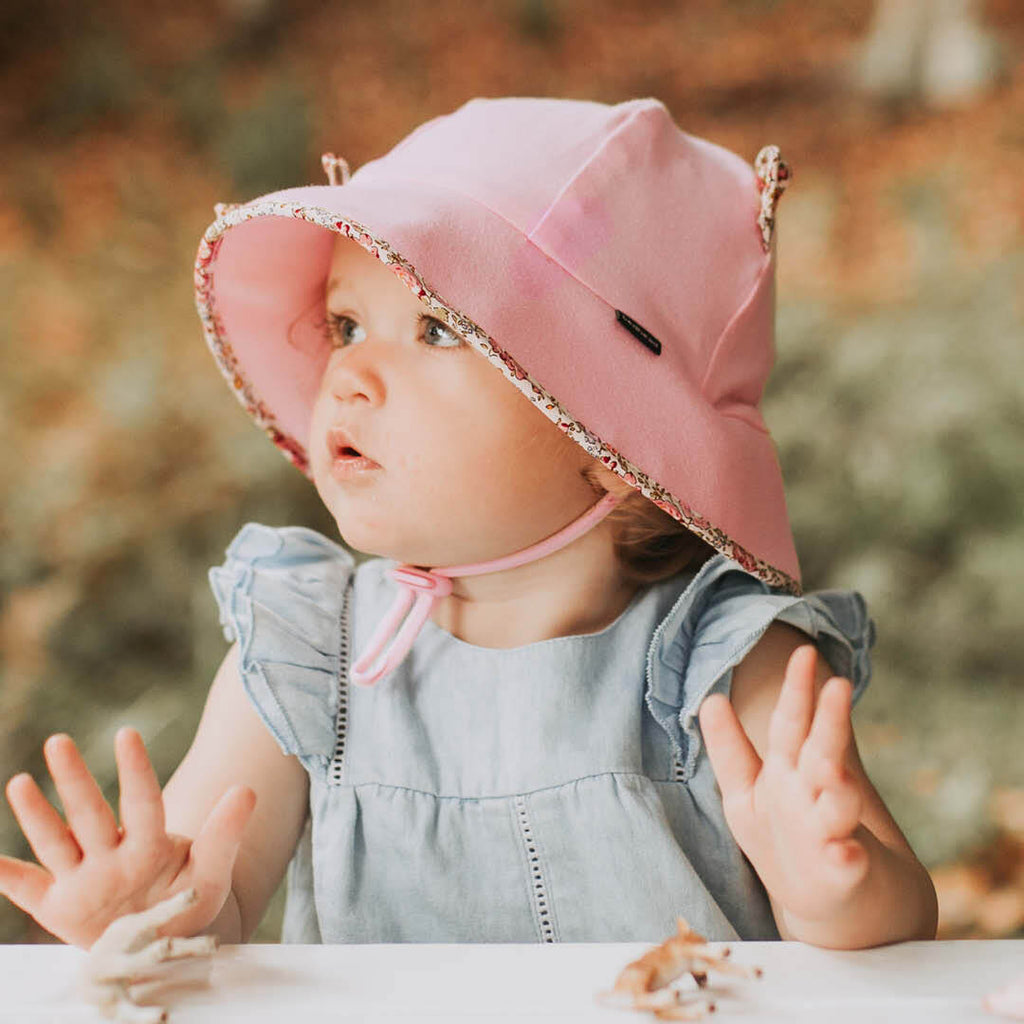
{"x":231,"y":746}
{"x":837,"y":869}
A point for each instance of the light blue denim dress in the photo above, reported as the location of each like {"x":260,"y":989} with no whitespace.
{"x":556,"y":792}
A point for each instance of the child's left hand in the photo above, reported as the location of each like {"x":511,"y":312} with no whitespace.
{"x":796,"y":814}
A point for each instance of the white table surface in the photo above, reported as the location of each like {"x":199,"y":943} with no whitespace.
{"x":910,"y":982}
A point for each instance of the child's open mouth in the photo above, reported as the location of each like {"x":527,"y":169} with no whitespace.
{"x":346,"y":458}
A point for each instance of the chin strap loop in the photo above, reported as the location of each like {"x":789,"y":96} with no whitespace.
{"x":429,"y":585}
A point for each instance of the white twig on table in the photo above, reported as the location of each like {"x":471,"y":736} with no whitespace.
{"x":129,"y":953}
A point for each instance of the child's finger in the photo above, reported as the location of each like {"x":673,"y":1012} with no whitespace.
{"x":141,"y":801}
{"x":89,"y":815}
{"x":831,"y":731}
{"x":51,"y":840}
{"x":215,"y":848}
{"x":837,"y":811}
{"x":734,"y":760}
{"x":23,"y":884}
{"x":794,"y":708}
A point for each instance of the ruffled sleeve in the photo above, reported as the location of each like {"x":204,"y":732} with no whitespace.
{"x":279,"y":593}
{"x":715,"y":623}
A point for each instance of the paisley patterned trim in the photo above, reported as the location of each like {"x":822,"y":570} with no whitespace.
{"x":213,"y":330}
{"x":773,"y":175}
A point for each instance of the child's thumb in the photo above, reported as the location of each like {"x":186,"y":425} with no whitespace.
{"x":215,"y":848}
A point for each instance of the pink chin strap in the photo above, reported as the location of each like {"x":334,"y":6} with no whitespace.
{"x":430,"y":585}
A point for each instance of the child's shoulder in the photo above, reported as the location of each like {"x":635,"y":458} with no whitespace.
{"x":724,"y":604}
{"x":288,"y":575}
{"x":279,"y":593}
{"x":301,"y":555}
{"x":724,"y":597}
{"x":720,"y":617}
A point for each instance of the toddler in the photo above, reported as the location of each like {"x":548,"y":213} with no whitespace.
{"x":579,"y":691}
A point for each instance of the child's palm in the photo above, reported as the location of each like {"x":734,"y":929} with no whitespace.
{"x":92,"y":871}
{"x":796,"y":814}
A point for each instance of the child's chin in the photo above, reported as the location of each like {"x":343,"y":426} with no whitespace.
{"x":366,"y":542}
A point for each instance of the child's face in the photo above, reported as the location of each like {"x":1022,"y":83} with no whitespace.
{"x":468,"y":470}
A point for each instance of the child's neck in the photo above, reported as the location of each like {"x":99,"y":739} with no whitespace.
{"x":574,"y":591}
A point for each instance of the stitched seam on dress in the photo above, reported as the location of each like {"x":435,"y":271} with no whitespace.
{"x":341,"y":718}
{"x":505,"y":796}
{"x":540,"y":893}
{"x":555,"y":641}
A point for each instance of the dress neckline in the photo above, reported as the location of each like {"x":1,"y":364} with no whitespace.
{"x":644,"y":594}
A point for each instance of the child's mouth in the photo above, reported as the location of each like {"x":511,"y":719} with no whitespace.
{"x":347,"y":467}
{"x":345,"y":455}
{"x":340,"y":445}
{"x":350,"y":454}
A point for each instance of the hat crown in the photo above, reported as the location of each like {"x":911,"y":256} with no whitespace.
{"x":592,"y":185}
{"x":513,"y":154}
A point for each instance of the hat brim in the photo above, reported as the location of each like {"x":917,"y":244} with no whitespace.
{"x":260,"y":278}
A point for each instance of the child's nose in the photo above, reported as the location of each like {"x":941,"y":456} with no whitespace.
{"x":354,"y":373}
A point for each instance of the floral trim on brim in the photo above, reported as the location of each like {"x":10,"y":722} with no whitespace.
{"x":213,"y":330}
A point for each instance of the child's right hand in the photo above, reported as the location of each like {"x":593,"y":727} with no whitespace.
{"x":92,"y":871}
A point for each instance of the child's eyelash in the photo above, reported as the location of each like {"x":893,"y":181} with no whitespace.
{"x":335,"y":323}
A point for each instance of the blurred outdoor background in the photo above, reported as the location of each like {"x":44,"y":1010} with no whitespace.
{"x":897,"y":401}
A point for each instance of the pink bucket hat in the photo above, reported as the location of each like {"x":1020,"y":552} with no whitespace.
{"x":615,"y":269}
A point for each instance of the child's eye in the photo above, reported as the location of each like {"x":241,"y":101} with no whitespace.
{"x":343,"y":328}
{"x":345,"y":331}
{"x":434,"y":329}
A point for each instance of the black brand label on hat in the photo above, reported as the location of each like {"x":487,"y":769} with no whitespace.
{"x":640,"y":332}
